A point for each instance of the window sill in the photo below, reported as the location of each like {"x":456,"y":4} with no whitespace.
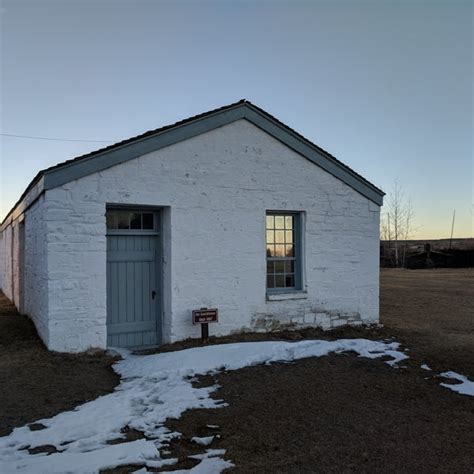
{"x":294,"y":295}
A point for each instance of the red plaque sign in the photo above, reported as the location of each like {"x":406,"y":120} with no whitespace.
{"x":205,"y":315}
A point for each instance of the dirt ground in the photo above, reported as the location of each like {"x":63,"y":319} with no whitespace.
{"x":341,"y":413}
{"x":36,"y":383}
{"x":337,"y":413}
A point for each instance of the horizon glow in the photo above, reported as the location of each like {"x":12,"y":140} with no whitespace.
{"x":385,"y":87}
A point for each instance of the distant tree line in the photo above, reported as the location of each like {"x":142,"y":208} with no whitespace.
{"x":396,"y":248}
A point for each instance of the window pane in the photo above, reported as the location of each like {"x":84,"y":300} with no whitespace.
{"x":279,"y":251}
{"x":279,"y":267}
{"x":289,"y":236}
{"x":279,"y":281}
{"x":270,"y":222}
{"x":289,"y":266}
{"x":270,"y":237}
{"x":148,"y":221}
{"x":279,"y":222}
{"x":280,"y":236}
{"x":270,"y":281}
{"x":123,"y":220}
{"x":136,"y":220}
{"x":270,"y":250}
{"x":289,"y":281}
{"x":289,"y":222}
{"x":270,"y":267}
{"x":290,"y":252}
{"x":111,"y":218}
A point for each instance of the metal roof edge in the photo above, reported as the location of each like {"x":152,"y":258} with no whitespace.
{"x":314,"y":153}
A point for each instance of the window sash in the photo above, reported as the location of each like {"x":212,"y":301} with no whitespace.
{"x":296,"y":274}
{"x":126,"y":220}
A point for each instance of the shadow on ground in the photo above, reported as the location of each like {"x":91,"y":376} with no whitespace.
{"x":37,"y":383}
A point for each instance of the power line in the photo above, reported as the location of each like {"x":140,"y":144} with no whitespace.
{"x":54,"y":139}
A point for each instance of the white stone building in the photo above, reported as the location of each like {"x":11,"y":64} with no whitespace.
{"x":230,"y":209}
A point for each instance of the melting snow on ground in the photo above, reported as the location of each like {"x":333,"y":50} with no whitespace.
{"x":205,"y":441}
{"x":154,"y":388}
{"x":466,"y":387}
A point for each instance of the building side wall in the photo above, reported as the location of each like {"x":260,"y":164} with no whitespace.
{"x":15,"y":267}
{"x":35,"y":284}
{"x":7,"y":268}
{"x":23,"y":270}
{"x":2,"y":259}
{"x":216,"y":189}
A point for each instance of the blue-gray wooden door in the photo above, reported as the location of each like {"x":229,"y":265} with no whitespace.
{"x":133,"y":296}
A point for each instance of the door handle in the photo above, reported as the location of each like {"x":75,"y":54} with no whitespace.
{"x":153,"y":294}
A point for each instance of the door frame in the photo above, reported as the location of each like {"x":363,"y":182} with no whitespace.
{"x":158,"y":232}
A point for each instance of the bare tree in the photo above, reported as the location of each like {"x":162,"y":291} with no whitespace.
{"x":397,"y":223}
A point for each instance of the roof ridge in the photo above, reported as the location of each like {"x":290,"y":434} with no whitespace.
{"x":149,"y":133}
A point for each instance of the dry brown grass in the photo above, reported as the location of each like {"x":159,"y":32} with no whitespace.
{"x":432,"y":311}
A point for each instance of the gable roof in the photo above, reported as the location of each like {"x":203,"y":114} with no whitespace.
{"x":170,"y":134}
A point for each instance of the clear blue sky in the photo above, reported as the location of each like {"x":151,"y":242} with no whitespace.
{"x":386,"y":86}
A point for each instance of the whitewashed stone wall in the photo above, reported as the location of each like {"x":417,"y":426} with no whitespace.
{"x":2,"y":259}
{"x":6,"y":269}
{"x":23,"y":268}
{"x":10,"y":270}
{"x":35,"y":298}
{"x":15,"y":266}
{"x":216,"y":189}
{"x":76,"y":260}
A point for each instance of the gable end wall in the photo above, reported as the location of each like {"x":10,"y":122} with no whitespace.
{"x":215,"y":188}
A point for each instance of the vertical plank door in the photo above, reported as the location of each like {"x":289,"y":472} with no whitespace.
{"x":133,"y":309}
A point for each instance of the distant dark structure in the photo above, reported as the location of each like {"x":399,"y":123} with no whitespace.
{"x":418,"y":254}
{"x":428,"y":259}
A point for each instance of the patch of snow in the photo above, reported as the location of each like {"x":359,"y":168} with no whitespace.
{"x":205,"y":441}
{"x":118,"y":352}
{"x":106,"y":456}
{"x":154,"y":388}
{"x":208,"y":454}
{"x":425,"y":367}
{"x":466,"y":387}
{"x":161,"y":462}
{"x":213,"y":427}
{"x":214,"y":465}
